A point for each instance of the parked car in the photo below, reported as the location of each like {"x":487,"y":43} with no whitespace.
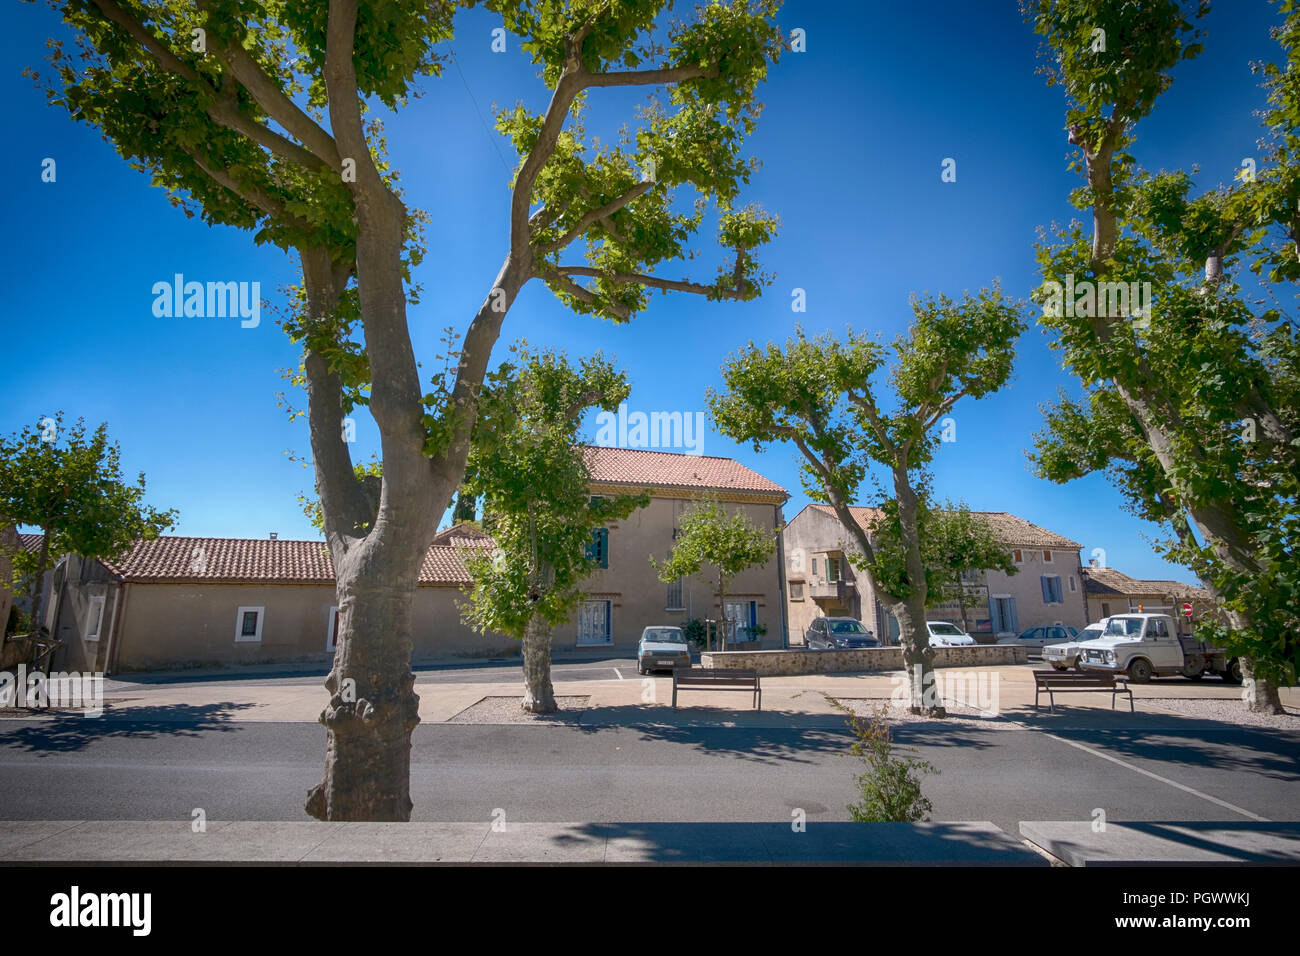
{"x":1070,"y":654}
{"x":1036,"y":638}
{"x":662,"y":647}
{"x":944,"y":634}
{"x":1149,"y":645}
{"x":838,"y":633}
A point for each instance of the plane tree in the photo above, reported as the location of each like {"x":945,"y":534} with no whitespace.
{"x":820,"y":394}
{"x":265,"y":118}
{"x":531,"y":474}
{"x":1189,"y":401}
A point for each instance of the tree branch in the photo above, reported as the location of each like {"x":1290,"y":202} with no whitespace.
{"x":251,"y":194}
{"x":595,"y":215}
{"x":654,"y":282}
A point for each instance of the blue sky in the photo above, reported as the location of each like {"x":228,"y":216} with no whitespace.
{"x":851,"y":142}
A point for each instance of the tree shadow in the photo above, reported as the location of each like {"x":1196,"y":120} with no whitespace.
{"x":67,"y":733}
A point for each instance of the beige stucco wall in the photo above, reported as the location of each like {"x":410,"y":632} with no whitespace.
{"x":179,"y":625}
{"x":813,"y":534}
{"x":639,"y":599}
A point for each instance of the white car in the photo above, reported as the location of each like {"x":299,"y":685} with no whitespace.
{"x":1069,"y":654}
{"x":662,"y":647}
{"x":943,"y":634}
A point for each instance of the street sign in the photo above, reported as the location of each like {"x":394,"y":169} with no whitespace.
{"x":1187,"y":611}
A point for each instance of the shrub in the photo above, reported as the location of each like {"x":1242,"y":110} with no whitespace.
{"x":891,"y":785}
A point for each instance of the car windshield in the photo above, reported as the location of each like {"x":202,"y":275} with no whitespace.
{"x":664,"y":635}
{"x":948,"y":629}
{"x":1124,"y":627}
{"x":848,"y":627}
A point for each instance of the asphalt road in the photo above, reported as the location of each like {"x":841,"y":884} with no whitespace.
{"x":71,"y":768}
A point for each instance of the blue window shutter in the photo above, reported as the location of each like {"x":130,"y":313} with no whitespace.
{"x":1047,"y":589}
{"x":604,"y":547}
{"x":1015,"y":618}
{"x":1057,"y":596}
{"x":994,"y":617}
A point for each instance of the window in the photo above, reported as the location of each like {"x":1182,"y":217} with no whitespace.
{"x":832,"y":569}
{"x":675,"y":602}
{"x":796,"y":591}
{"x":1051,"y":584}
{"x":814,"y":565}
{"x":1105,"y":609}
{"x":1017,"y":556}
{"x":332,"y":629}
{"x":1073,"y":587}
{"x":94,"y":618}
{"x":1047,"y":557}
{"x":598,"y":550}
{"x":248,"y":624}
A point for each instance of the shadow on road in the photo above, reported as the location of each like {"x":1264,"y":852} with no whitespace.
{"x":70,"y":733}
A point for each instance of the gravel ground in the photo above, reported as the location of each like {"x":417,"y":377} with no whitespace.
{"x":960,"y":715}
{"x":506,"y":710}
{"x":1227,"y":709}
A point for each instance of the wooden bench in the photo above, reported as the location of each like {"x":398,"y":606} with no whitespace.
{"x":704,"y":678}
{"x":1054,"y":681}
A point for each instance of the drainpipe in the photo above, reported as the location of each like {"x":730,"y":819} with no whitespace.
{"x":780,"y":576}
{"x":114,"y":644}
{"x":112,"y":625}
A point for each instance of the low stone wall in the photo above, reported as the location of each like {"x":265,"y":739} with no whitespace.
{"x":800,"y":661}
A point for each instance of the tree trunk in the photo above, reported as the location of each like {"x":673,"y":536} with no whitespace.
{"x":1259,"y":693}
{"x":539,"y":693}
{"x":373,"y":706}
{"x":918,"y":657}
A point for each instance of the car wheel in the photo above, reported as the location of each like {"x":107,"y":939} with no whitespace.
{"x":1233,"y":674}
{"x":1058,"y":667}
{"x":1078,"y":664}
{"x":1139,"y":671}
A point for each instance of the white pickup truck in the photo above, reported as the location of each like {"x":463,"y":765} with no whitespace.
{"x":1148,"y":645}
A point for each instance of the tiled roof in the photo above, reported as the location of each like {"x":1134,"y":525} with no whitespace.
{"x":463,"y":535}
{"x":661,"y":469}
{"x":1108,"y":582}
{"x":1009,"y":529}
{"x":258,"y":561}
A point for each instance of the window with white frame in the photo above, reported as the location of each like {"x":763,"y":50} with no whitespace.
{"x":248,"y":624}
{"x":332,"y":630}
{"x":1073,"y":587}
{"x":1047,"y":557}
{"x":1017,"y":556}
{"x":94,"y":618}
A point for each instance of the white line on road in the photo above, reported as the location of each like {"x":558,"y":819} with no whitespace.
{"x":1156,"y":776}
{"x":619,"y":673}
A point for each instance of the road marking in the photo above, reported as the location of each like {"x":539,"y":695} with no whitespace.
{"x":619,"y":673}
{"x":1156,"y":776}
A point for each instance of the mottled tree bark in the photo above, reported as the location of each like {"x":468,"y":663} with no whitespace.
{"x":539,"y":693}
{"x":1259,"y":693}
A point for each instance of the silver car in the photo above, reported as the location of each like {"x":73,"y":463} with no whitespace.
{"x":662,"y":647}
{"x":1036,"y":638}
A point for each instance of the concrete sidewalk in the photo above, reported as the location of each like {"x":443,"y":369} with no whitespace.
{"x":1182,"y":843}
{"x":787,"y":701}
{"x":308,"y":843}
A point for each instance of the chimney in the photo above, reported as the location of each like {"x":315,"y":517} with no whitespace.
{"x":274,"y":535}
{"x":1092,"y":562}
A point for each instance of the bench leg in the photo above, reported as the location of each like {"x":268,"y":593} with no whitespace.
{"x":1035,"y":695}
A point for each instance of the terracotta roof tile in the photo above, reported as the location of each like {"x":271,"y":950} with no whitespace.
{"x":1010,"y":530}
{"x":1108,"y":582}
{"x":258,"y":561}
{"x":659,"y":469}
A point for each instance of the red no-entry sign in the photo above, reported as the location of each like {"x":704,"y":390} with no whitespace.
{"x":1187,"y":610}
